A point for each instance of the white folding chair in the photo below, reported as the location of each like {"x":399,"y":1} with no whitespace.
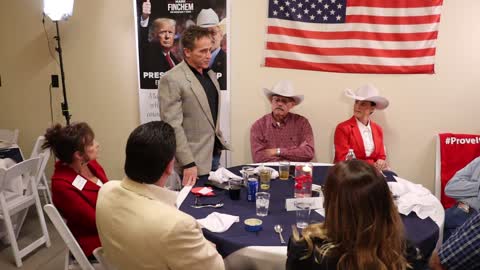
{"x":9,"y":135}
{"x":13,"y":203}
{"x":100,"y":256}
{"x":42,"y":183}
{"x":72,"y":245}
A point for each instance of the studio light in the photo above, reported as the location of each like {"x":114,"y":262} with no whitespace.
{"x":58,"y":10}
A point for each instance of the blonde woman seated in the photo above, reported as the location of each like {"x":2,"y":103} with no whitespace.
{"x":359,"y":132}
{"x":362,"y":228}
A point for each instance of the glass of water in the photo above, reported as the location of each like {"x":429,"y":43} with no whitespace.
{"x":303,"y":214}
{"x":262,"y":203}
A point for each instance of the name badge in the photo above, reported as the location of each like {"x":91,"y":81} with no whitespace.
{"x":79,"y":182}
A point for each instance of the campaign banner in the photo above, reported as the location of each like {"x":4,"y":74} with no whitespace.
{"x":159,"y":26}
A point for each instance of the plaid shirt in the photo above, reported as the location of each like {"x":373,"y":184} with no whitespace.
{"x":462,"y":250}
{"x":293,"y":136}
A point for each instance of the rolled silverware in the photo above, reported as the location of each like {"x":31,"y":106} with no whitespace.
{"x":218,"y":205}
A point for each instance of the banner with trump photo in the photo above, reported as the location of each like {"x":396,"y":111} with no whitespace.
{"x":159,"y":25}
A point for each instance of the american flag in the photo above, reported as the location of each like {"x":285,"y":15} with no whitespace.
{"x":353,"y":36}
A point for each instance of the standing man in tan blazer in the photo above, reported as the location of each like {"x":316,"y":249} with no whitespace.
{"x":189,"y":100}
{"x":139,"y":226}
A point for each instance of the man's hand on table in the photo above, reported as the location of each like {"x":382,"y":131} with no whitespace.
{"x":190,"y":176}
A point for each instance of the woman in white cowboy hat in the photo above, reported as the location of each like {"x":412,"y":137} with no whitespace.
{"x":359,"y":132}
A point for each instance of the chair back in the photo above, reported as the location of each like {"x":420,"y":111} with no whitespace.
{"x":27,"y":170}
{"x":41,"y":181}
{"x":67,"y":237}
{"x":44,"y":157}
{"x":37,"y":148}
{"x":453,"y":152}
{"x":100,"y":256}
{"x":9,"y":135}
{"x":37,"y":151}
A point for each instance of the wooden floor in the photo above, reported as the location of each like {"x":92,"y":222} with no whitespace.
{"x":43,"y":258}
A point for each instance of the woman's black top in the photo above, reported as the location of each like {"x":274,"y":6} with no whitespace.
{"x":296,"y":250}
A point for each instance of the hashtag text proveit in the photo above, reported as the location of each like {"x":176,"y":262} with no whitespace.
{"x":455,"y":140}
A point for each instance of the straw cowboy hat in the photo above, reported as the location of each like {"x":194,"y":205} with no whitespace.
{"x":207,"y":18}
{"x":368,"y":92}
{"x":284,"y":89}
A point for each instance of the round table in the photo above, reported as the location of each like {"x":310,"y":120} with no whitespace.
{"x":262,"y":250}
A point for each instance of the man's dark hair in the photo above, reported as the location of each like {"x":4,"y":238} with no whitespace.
{"x":193,"y":33}
{"x":150,"y":147}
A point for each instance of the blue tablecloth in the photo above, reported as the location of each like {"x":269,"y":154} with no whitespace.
{"x":13,"y":153}
{"x":423,"y":233}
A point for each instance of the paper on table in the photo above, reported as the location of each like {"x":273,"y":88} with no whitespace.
{"x":316,"y":203}
{"x":217,"y":222}
{"x":182,"y":195}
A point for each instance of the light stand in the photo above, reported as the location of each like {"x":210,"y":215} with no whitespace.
{"x":65,"y":111}
{"x":58,"y":10}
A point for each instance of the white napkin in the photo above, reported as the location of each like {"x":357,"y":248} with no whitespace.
{"x":182,"y":195}
{"x":321,"y":211}
{"x":274,"y":172}
{"x":16,"y":185}
{"x":217,"y":222}
{"x":413,"y":197}
{"x":222,"y":175}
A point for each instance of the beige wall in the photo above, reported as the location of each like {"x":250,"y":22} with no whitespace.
{"x":100,"y":64}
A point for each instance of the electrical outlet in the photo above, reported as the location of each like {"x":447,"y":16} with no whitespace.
{"x":55,"y":81}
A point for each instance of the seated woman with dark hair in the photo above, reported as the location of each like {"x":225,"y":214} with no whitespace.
{"x":76,"y":180}
{"x":362,"y":228}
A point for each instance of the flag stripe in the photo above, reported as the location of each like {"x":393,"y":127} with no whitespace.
{"x":349,"y":68}
{"x":346,"y":27}
{"x":351,"y":35}
{"x":350,"y":51}
{"x":427,"y":19}
{"x":351,"y":59}
{"x":395,"y":3}
{"x":352,"y":43}
{"x":394,"y":11}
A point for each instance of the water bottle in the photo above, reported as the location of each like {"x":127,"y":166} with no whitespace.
{"x":350,"y":155}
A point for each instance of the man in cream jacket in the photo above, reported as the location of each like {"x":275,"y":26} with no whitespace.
{"x":138,"y":223}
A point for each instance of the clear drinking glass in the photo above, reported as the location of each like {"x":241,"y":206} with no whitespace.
{"x":303,"y":214}
{"x":284,"y":170}
{"x":262,"y":203}
{"x":247,"y":172}
{"x":265,"y":177}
